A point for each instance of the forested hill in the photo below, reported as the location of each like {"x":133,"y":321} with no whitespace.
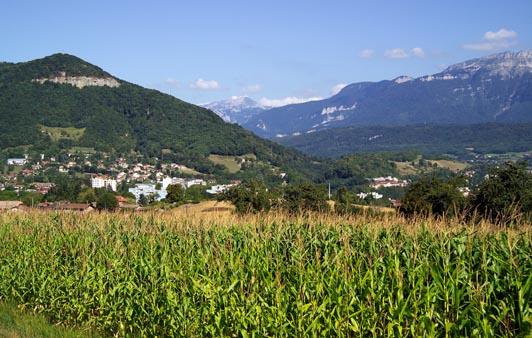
{"x":61,"y":101}
{"x":426,"y":139}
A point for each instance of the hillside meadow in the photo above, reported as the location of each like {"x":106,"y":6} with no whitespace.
{"x":209,"y":272}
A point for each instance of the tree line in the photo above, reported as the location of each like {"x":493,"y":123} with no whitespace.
{"x":505,"y":195}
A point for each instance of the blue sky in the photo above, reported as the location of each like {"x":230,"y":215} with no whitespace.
{"x":273,"y":51}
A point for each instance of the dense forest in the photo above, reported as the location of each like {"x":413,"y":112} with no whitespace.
{"x":459,"y":140}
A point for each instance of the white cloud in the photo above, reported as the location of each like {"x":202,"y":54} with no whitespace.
{"x":400,"y":53}
{"x":501,"y":39}
{"x":397,"y":53}
{"x":418,"y":52}
{"x":205,"y":84}
{"x":286,"y":101}
{"x":172,"y":82}
{"x":336,"y":89}
{"x":500,"y":34}
{"x":251,"y":89}
{"x":366,"y":53}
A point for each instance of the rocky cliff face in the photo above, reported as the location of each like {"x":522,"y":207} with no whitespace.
{"x":80,"y":81}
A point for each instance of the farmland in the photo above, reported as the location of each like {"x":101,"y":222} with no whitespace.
{"x":160,"y":274}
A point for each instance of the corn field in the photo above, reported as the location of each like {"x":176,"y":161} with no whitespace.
{"x":157,"y":275}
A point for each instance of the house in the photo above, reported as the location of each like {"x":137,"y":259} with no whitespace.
{"x":394,"y":203}
{"x":16,"y":161}
{"x":373,"y":194}
{"x":121,"y":200}
{"x":67,"y":206}
{"x":386,"y":182}
{"x":10,"y":205}
{"x":219,"y":189}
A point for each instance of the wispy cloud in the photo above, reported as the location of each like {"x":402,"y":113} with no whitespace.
{"x":205,"y":84}
{"x":172,"y":83}
{"x":500,"y":34}
{"x":418,"y":52}
{"x":336,"y":89}
{"x":286,"y":101}
{"x":366,"y":53}
{"x":501,"y":39}
{"x":400,"y":53}
{"x":251,"y":89}
{"x":397,"y":53}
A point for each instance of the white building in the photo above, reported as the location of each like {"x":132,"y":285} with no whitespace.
{"x":147,"y":190}
{"x":16,"y":161}
{"x":103,"y":182}
{"x":219,"y":189}
{"x":373,"y":194}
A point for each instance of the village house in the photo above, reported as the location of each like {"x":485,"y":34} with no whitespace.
{"x":373,"y":194}
{"x":10,"y":206}
{"x":17,"y":161}
{"x":219,"y":189}
{"x":67,"y":206}
{"x":386,"y":182}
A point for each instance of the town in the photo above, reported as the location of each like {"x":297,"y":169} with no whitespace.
{"x":134,"y":184}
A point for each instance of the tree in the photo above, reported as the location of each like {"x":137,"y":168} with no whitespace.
{"x":249,"y":196}
{"x":107,"y":201}
{"x":143,"y":200}
{"x":306,"y":196}
{"x":31,"y":199}
{"x":87,"y":195}
{"x":66,"y":189}
{"x":506,"y":193}
{"x":434,"y":195}
{"x":175,"y":193}
{"x":343,"y":201}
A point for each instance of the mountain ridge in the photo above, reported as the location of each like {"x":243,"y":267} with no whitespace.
{"x":494,"y":88}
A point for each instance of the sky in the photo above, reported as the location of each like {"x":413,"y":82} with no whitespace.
{"x":276,"y":52}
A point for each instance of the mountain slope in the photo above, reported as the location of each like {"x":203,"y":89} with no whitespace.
{"x":495,"y":88}
{"x":427,"y":139}
{"x":61,"y":101}
{"x":237,"y":109}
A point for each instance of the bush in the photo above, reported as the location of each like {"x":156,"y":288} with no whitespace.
{"x":506,"y":193}
{"x":434,"y":195}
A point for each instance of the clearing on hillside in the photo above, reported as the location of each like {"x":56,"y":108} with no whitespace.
{"x":57,"y":133}
{"x":232,"y":163}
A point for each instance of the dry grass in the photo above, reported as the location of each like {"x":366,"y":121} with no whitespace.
{"x":451,"y":165}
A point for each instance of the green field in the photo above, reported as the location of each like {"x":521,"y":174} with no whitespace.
{"x":318,"y":276}
{"x":15,"y":323}
{"x":230,"y":162}
{"x":57,"y":133}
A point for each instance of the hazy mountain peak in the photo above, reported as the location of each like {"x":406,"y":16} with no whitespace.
{"x":237,"y":109}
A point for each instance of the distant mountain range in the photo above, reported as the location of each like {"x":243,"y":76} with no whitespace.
{"x":494,"y":88}
{"x":237,"y":109}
